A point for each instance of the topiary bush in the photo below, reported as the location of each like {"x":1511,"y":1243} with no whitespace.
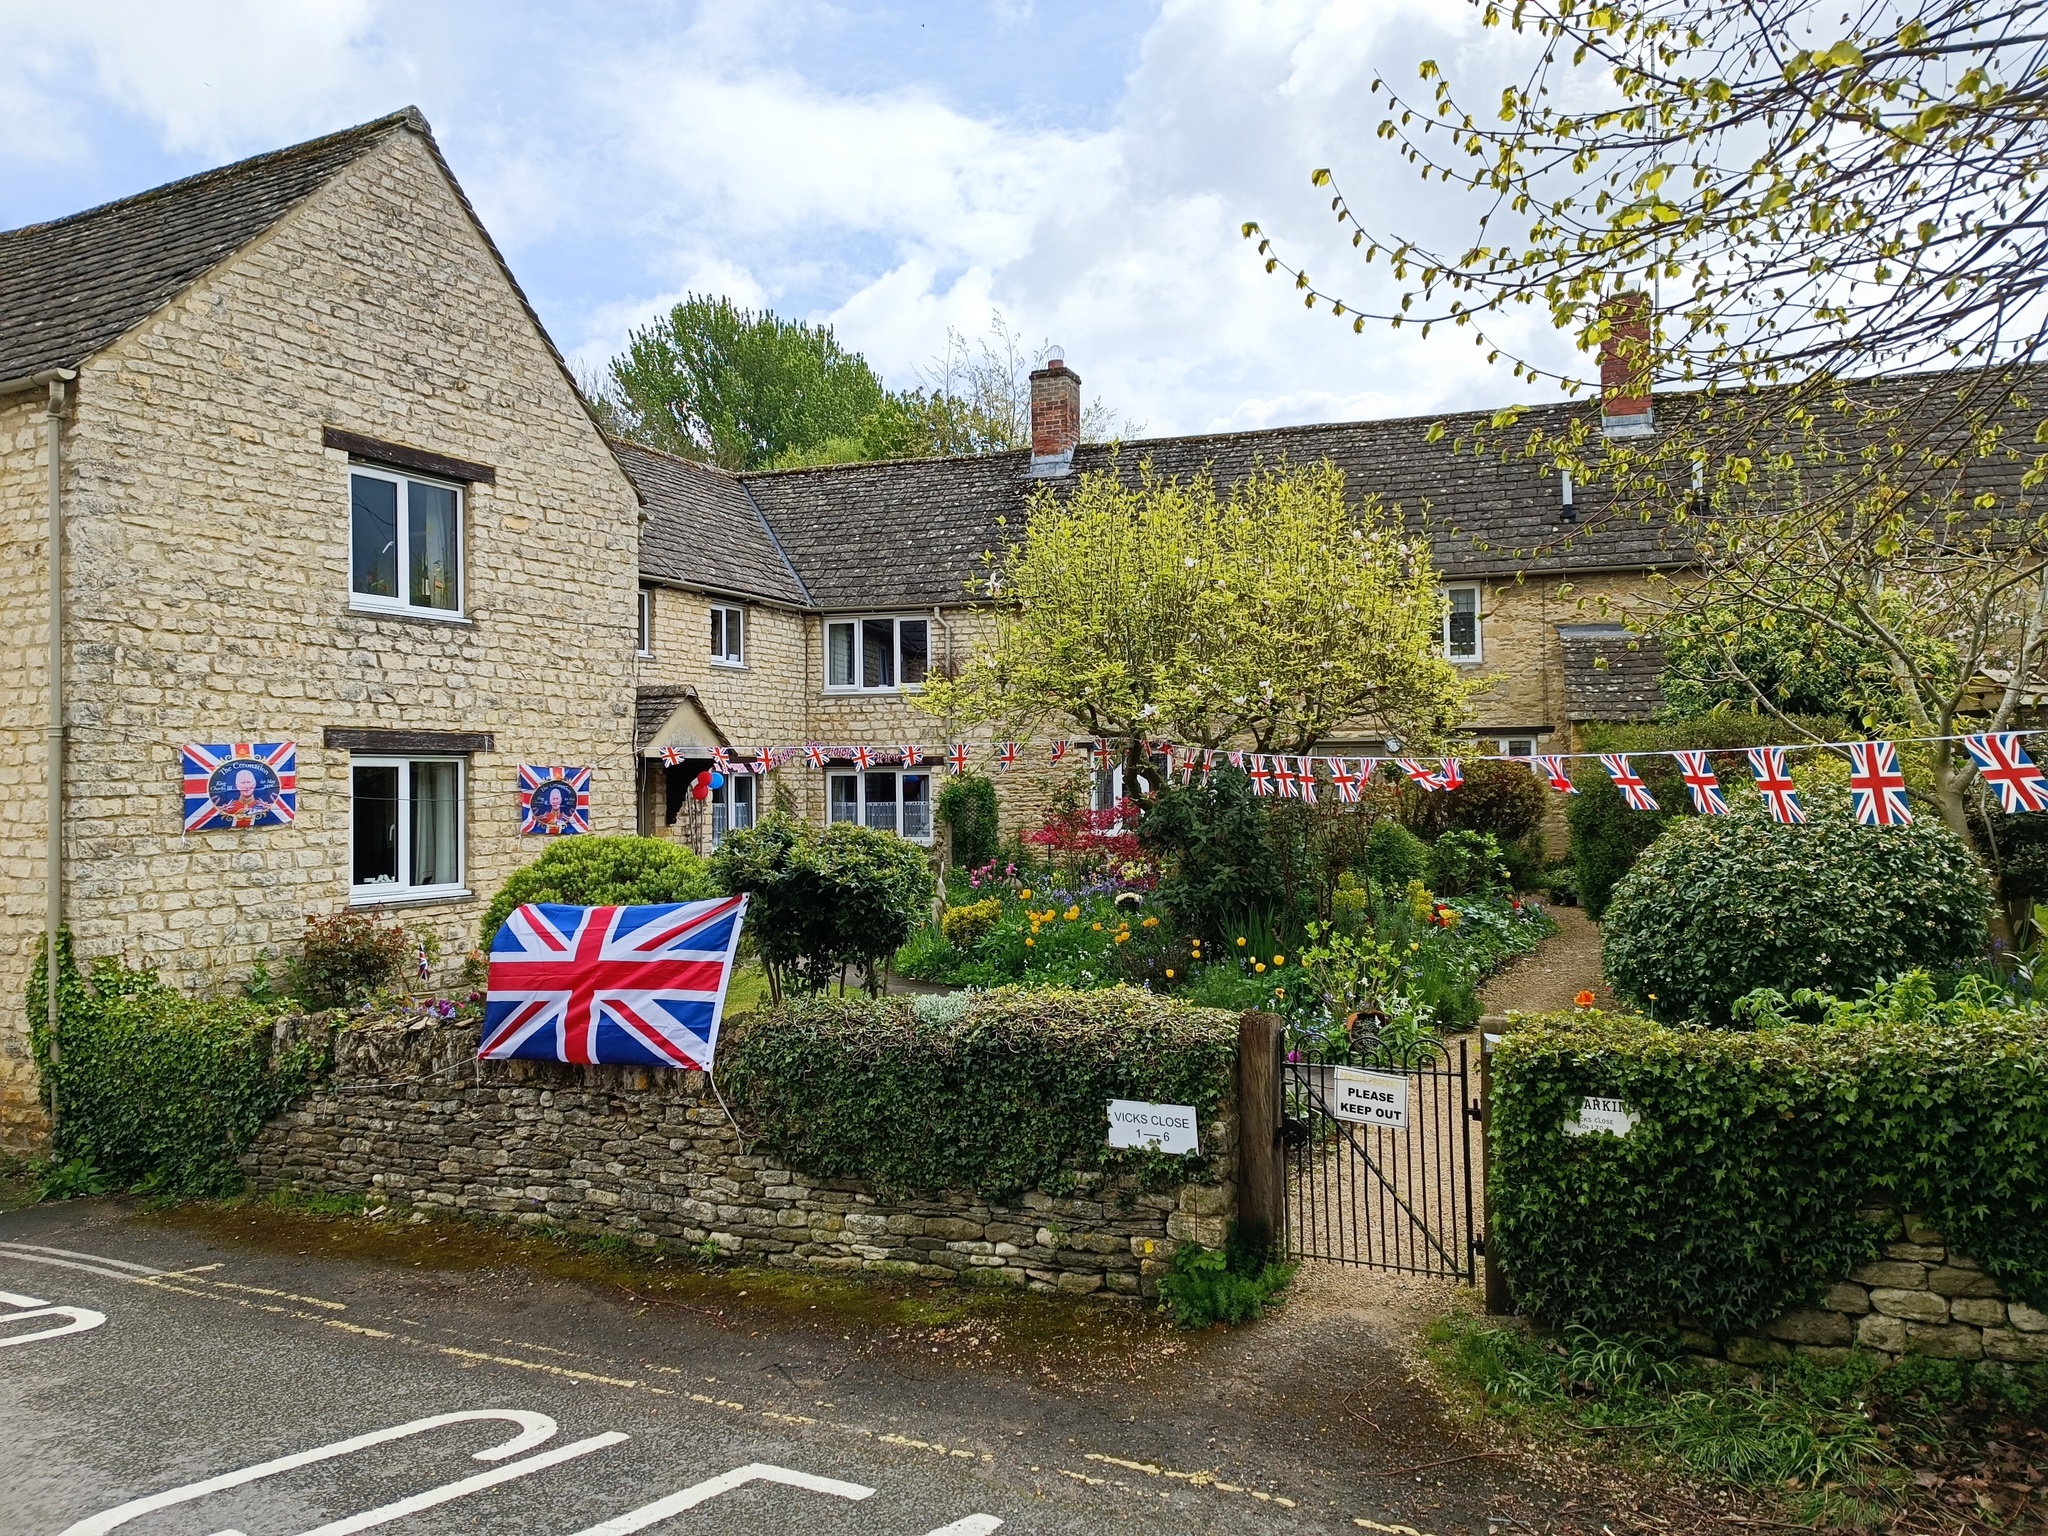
{"x":963,"y":925}
{"x":967,"y":805}
{"x":1742,"y":1190}
{"x":1394,"y":856}
{"x":1722,"y":905}
{"x":1465,"y":864}
{"x":1005,"y":1093}
{"x":602,"y":872}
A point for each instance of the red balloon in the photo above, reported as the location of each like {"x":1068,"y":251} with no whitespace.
{"x":700,"y":787}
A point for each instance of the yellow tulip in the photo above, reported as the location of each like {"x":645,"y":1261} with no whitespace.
{"x":1260,"y":967}
{"x":1169,"y":973}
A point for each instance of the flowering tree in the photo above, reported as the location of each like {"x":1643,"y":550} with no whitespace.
{"x":1272,"y":614}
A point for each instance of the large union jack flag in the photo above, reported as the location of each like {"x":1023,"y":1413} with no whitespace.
{"x":241,"y":784}
{"x":2005,"y":766}
{"x":1876,"y":786}
{"x":636,"y":986}
{"x":554,"y":801}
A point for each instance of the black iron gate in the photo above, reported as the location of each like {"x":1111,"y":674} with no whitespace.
{"x":1379,"y":1165}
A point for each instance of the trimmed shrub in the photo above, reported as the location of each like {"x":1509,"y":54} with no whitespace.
{"x":602,"y":872}
{"x":1504,"y":798}
{"x":157,"y":1090}
{"x":1740,"y":1193}
{"x":1003,"y":1096}
{"x":1221,"y":868}
{"x":1465,"y":863}
{"x":965,"y":924}
{"x":1394,"y":856}
{"x":967,"y":805}
{"x":1722,"y":905}
{"x":345,"y":958}
{"x":819,"y":902}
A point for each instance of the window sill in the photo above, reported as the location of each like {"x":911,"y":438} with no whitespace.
{"x":374,"y":896}
{"x":411,"y":615}
{"x":1466,"y":661}
{"x":643,"y":655}
{"x":872,"y":693}
{"x":730,"y":666}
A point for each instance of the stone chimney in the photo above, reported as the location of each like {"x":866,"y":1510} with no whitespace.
{"x":1625,"y":367}
{"x":1055,"y":417}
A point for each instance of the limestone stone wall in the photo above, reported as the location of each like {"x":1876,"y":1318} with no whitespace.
{"x":413,"y":1118}
{"x":1920,"y":1297}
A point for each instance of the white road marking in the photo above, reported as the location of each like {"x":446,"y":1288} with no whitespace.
{"x":94,"y":1258}
{"x":20,"y":1256}
{"x":78,"y":1320}
{"x":534,"y":1429}
{"x":973,"y":1525}
{"x":448,"y":1492}
{"x":9,"y":1298}
{"x":689,"y":1498}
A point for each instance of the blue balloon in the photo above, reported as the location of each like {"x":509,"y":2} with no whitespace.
{"x":717,"y":779}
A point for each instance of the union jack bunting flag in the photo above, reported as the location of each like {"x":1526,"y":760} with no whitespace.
{"x":863,"y":758}
{"x":1628,"y":781}
{"x":1006,"y":756}
{"x":1208,"y":763}
{"x":1059,"y":750}
{"x":1345,"y":780}
{"x":672,"y":757}
{"x":1187,"y":770}
{"x":1237,"y":759}
{"x":2004,"y":765}
{"x":1283,"y":777}
{"x":1775,"y":784}
{"x":956,"y":758}
{"x":814,"y":755}
{"x":1367,"y":768}
{"x":236,"y":786}
{"x":758,"y":766}
{"x":554,"y":801}
{"x":1305,"y":776}
{"x":1262,"y":777}
{"x":1553,"y":769}
{"x":637,"y":986}
{"x":1105,"y":755}
{"x":1700,"y":782}
{"x":1876,"y":787}
{"x":912,"y":756}
{"x":1451,"y":775}
{"x":1419,"y":772}
{"x":721,"y":758}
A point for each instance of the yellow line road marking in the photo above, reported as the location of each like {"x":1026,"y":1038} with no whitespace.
{"x":1195,"y":1479}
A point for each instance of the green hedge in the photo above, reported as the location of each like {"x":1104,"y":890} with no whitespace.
{"x":154,"y":1089}
{"x":1000,"y":1094}
{"x":1740,"y":1193}
{"x":603,"y":871}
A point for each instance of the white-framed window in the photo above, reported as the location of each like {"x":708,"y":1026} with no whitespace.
{"x":643,"y":633}
{"x":884,"y":798}
{"x":405,"y":544}
{"x":728,"y":636}
{"x":732,"y":805}
{"x":406,"y":819}
{"x":1109,"y":788}
{"x":880,"y":655}
{"x":1461,"y":623}
{"x":1516,"y":746}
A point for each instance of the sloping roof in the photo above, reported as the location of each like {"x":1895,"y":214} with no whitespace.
{"x":1610,"y":674}
{"x":71,"y":286}
{"x":702,"y":529}
{"x":675,"y":712}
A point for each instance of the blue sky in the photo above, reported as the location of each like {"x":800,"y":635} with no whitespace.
{"x":895,"y":169}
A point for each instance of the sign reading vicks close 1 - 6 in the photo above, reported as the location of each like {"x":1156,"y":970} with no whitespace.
{"x":1158,"y":1127}
{"x":1371,"y":1098}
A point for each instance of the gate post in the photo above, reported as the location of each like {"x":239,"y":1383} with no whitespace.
{"x":1498,"y":1301}
{"x":1261,"y":1170}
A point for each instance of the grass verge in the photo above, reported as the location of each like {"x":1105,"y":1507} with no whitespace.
{"x":1865,"y":1444}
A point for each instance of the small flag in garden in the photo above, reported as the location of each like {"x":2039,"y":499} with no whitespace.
{"x":863,"y":758}
{"x":1237,"y":759}
{"x":814,"y":755}
{"x":1059,"y":751}
{"x":1262,"y":776}
{"x":1208,"y":763}
{"x":1367,"y":767}
{"x":1345,"y":780}
{"x":2005,"y":766}
{"x":672,"y":757}
{"x":553,"y":801}
{"x":956,"y":758}
{"x":237,"y":786}
{"x":1187,"y":770}
{"x":1628,"y":781}
{"x":1552,"y":768}
{"x":1877,"y":788}
{"x":1452,"y":775}
{"x":1705,"y":789}
{"x":912,"y":756}
{"x":1006,"y":756}
{"x":1305,"y":776}
{"x":1775,"y":784}
{"x":1283,"y":778}
{"x":1419,"y":772}
{"x":639,"y":986}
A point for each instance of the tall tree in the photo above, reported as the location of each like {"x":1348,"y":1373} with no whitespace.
{"x":713,"y":381}
{"x":1273,"y":614}
{"x":1822,"y":199}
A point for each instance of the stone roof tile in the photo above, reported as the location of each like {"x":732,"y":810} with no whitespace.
{"x":703,"y":530}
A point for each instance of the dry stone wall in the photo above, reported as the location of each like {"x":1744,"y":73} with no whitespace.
{"x":1919,"y":1297}
{"x":411,"y":1117}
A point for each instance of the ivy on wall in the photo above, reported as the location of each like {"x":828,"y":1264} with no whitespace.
{"x":1740,"y":1193}
{"x":156,"y":1090}
{"x":1000,"y":1094}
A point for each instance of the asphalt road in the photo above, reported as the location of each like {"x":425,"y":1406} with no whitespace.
{"x":158,"y":1379}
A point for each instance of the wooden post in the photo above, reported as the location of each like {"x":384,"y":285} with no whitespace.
{"x":1261,"y":1163}
{"x":1498,"y":1302}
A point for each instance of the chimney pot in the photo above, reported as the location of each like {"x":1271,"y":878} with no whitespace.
{"x":1055,"y":416}
{"x":1625,"y":367}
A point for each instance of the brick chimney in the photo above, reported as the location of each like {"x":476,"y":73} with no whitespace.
{"x":1055,"y":417}
{"x":1625,"y":367}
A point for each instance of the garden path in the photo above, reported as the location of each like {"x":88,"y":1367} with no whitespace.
{"x":1548,"y":978}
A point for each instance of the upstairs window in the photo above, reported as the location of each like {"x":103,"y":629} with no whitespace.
{"x":728,"y":637}
{"x":1461,"y":623}
{"x":405,"y":544}
{"x":643,"y":636}
{"x":877,"y":655}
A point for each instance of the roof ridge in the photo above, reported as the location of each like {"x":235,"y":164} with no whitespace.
{"x":376,"y":128}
